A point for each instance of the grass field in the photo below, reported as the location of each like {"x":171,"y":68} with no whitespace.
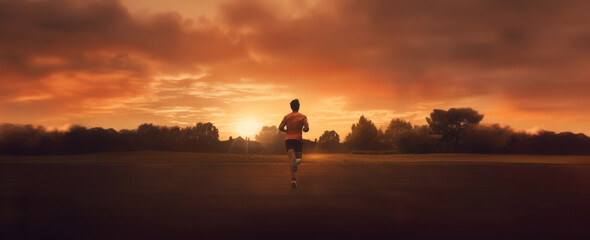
{"x":169,"y":195}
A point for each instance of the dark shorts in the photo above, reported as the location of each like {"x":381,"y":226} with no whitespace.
{"x":294,"y":144}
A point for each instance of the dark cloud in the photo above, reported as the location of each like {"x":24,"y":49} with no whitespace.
{"x":526,"y":56}
{"x":62,"y":58}
{"x":448,"y":49}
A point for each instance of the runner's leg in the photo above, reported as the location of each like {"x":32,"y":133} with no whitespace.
{"x":291,"y":153}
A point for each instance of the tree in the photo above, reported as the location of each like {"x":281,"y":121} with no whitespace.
{"x":207,"y":136}
{"x":364,"y":135}
{"x":395,"y":130}
{"x":20,"y":139}
{"x":418,"y":140}
{"x":149,"y":135}
{"x":487,"y":139}
{"x":329,"y":141}
{"x":272,"y":139}
{"x":207,"y":130}
{"x":450,"y":124}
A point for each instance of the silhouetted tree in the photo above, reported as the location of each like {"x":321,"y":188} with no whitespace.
{"x":238,"y":146}
{"x":487,"y":139}
{"x":450,"y":124}
{"x":329,"y":142}
{"x":129,"y":140}
{"x":207,"y":136}
{"x":548,"y":142}
{"x":207,"y":130}
{"x":149,"y":136}
{"x":100,"y":139}
{"x":272,"y":139}
{"x":364,"y":135}
{"x":20,"y":139}
{"x":77,"y":140}
{"x":395,"y":130}
{"x":204,"y":137}
{"x":417,"y":140}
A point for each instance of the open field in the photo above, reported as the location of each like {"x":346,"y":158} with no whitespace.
{"x":165,"y":195}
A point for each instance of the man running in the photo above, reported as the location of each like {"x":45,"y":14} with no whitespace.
{"x":295,"y":122}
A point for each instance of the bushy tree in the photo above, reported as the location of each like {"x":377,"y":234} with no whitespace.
{"x":149,"y":135}
{"x":271,"y":139}
{"x":20,"y":139}
{"x":394,"y":132}
{"x":207,"y":130}
{"x":203,"y":137}
{"x":77,"y":140}
{"x":417,"y":140}
{"x":450,"y":124}
{"x":364,"y":135}
{"x":548,"y":142}
{"x":487,"y":139}
{"x":329,"y":141}
{"x":207,"y":136}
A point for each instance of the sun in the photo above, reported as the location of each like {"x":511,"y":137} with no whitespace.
{"x":248,"y":127}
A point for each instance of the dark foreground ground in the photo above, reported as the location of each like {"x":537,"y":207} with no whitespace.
{"x":458,"y":197}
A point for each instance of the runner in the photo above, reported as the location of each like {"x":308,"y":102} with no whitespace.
{"x":294,"y":122}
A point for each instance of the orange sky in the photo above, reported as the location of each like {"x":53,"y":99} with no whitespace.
{"x":122,"y":63}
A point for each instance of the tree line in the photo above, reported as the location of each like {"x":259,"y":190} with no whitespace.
{"x":29,"y":139}
{"x":458,"y":130}
{"x":446,"y":131}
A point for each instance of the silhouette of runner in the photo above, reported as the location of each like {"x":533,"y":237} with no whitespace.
{"x":294,"y":122}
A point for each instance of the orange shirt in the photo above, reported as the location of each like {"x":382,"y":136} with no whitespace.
{"x":294,"y":122}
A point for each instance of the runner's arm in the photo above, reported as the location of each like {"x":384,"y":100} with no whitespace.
{"x":282,"y":126}
{"x":305,"y":125}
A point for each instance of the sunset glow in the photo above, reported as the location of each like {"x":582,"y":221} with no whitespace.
{"x":248,"y":128}
{"x":120,"y":63}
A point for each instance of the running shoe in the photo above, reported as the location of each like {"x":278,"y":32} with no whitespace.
{"x":293,"y":183}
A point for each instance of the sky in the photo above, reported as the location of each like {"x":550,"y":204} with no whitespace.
{"x":238,"y":63}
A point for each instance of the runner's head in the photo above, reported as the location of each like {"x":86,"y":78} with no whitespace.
{"x":295,"y":105}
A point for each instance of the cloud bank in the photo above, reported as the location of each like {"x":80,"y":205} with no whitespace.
{"x":95,"y":62}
